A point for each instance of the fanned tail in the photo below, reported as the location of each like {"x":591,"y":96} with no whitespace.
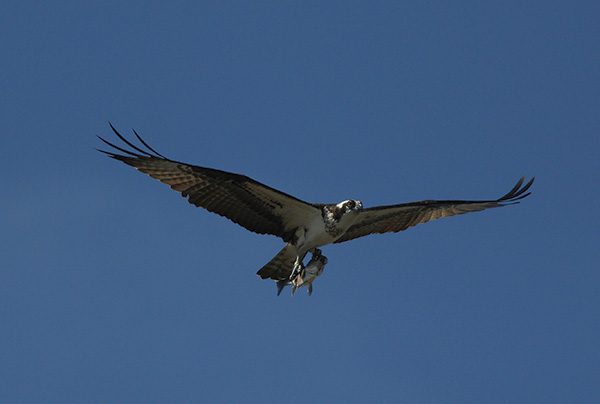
{"x":280,"y":267}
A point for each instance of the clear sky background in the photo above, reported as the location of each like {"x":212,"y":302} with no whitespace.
{"x":114,"y":289}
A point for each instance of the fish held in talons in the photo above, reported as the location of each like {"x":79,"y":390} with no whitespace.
{"x":307,"y":274}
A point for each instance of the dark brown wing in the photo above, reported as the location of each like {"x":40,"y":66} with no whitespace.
{"x":255,"y":206}
{"x":395,"y":218}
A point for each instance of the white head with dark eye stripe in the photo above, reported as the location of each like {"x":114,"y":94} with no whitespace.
{"x":341,"y":215}
{"x":350,"y":205}
{"x":345,"y":212}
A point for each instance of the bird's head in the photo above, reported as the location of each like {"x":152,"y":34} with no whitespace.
{"x":348,"y":208}
{"x":350,"y":205}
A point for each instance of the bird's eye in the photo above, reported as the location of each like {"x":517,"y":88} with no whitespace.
{"x":351,"y":204}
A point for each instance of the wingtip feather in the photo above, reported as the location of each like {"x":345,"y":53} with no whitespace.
{"x":141,"y":153}
{"x":518,"y":192}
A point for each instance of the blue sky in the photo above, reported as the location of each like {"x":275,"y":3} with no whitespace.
{"x":114,"y":289}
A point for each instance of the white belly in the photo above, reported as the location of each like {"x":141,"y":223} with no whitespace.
{"x":317,"y":235}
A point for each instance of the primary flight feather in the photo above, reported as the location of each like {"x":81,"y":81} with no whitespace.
{"x":301,"y":225}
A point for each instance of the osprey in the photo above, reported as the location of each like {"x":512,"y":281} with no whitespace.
{"x":301,"y":225}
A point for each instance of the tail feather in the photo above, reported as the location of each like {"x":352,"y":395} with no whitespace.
{"x":280,"y":267}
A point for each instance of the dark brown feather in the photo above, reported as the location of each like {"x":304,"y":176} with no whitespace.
{"x":255,"y":206}
{"x":395,"y":218}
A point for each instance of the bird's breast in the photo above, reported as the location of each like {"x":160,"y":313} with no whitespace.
{"x":325,"y":230}
{"x":317,"y":234}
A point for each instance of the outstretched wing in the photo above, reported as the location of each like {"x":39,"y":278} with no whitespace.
{"x":255,"y":206}
{"x":395,"y":218}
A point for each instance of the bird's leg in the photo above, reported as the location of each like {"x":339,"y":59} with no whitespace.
{"x":300,"y":238}
{"x":297,"y":268}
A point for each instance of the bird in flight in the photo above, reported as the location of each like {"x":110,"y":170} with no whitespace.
{"x":301,"y":225}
